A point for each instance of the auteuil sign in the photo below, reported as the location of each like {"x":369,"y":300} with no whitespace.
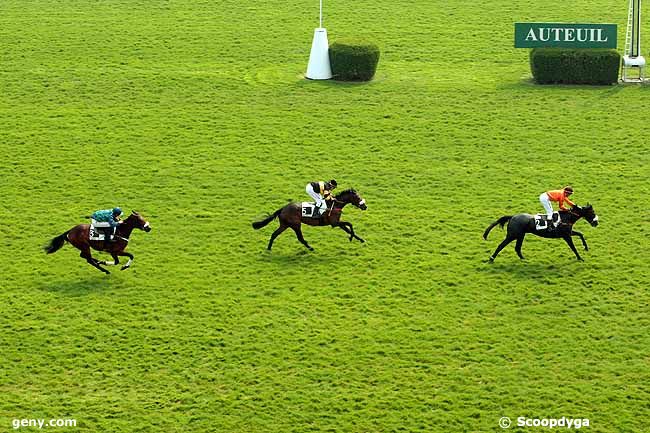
{"x":534,"y":35}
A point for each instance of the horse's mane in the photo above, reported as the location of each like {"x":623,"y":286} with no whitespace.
{"x":347,"y":191}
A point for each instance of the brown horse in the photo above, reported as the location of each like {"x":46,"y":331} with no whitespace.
{"x":290,"y":216}
{"x":79,"y":236}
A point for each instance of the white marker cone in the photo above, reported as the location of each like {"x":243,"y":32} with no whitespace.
{"x":319,"y":58}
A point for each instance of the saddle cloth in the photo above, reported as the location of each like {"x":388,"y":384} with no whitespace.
{"x":543,"y":223}
{"x":308,"y":209}
{"x":96,"y":232}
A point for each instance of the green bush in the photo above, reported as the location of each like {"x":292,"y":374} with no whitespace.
{"x":574,"y":66}
{"x":353,"y":61}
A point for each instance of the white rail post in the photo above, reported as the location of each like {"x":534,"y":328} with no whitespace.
{"x":633,"y":58}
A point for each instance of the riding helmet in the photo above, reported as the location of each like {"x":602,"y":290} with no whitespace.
{"x":568,"y":188}
{"x":333,"y":183}
{"x":117,"y":211}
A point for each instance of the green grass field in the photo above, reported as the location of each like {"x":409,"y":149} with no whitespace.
{"x":196,"y":114}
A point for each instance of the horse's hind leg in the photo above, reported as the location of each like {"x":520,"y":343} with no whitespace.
{"x":300,"y":237}
{"x":275,"y":235}
{"x":116,"y":260}
{"x":90,"y":259}
{"x":520,"y":240}
{"x":501,"y":246}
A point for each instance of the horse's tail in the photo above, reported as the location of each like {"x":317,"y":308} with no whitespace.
{"x":502,"y":221}
{"x":56,"y":243}
{"x":265,"y":221}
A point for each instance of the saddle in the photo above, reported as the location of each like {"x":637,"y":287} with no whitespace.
{"x":98,"y":230}
{"x":542,"y":221}
{"x":309,"y":210}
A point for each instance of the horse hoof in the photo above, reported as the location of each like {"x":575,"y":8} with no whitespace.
{"x":123,"y":268}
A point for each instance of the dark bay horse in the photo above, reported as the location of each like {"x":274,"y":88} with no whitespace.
{"x":78,"y":236}
{"x":290,"y":216}
{"x":520,"y":224}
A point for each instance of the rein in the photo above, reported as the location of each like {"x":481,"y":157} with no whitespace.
{"x":125,"y":239}
{"x":572,"y":212}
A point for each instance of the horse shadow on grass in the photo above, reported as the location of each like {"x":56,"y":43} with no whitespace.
{"x":530,"y":271}
{"x":75,"y":288}
{"x":301,"y":257}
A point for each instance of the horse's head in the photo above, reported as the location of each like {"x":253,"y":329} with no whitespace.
{"x":352,"y":197}
{"x":136,"y":221}
{"x":588,"y":213}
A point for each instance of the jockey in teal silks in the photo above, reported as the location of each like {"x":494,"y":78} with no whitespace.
{"x":109,"y":219}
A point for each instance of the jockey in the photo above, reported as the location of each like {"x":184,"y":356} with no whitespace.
{"x":321,"y":191}
{"x":560,"y":196}
{"x":108,"y":218}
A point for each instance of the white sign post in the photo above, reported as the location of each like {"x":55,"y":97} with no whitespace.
{"x":318,"y":67}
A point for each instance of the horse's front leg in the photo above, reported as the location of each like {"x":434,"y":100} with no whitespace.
{"x":569,"y":242}
{"x":127,"y":265}
{"x":582,"y":238}
{"x":115,"y":261}
{"x":347,"y":227}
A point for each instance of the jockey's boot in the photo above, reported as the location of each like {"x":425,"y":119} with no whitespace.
{"x":556,"y":219}
{"x":108,"y":236}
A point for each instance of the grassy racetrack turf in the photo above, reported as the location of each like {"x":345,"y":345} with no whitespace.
{"x":196,"y":115}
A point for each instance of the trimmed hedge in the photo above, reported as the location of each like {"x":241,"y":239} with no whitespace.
{"x":353,"y":61}
{"x":574,"y":66}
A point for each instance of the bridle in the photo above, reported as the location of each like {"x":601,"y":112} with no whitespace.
{"x":335,"y":200}
{"x":571,"y":211}
{"x":126,"y":239}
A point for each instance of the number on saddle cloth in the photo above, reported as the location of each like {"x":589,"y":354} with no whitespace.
{"x":542,"y":222}
{"x":98,"y":230}
{"x":309,"y":210}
